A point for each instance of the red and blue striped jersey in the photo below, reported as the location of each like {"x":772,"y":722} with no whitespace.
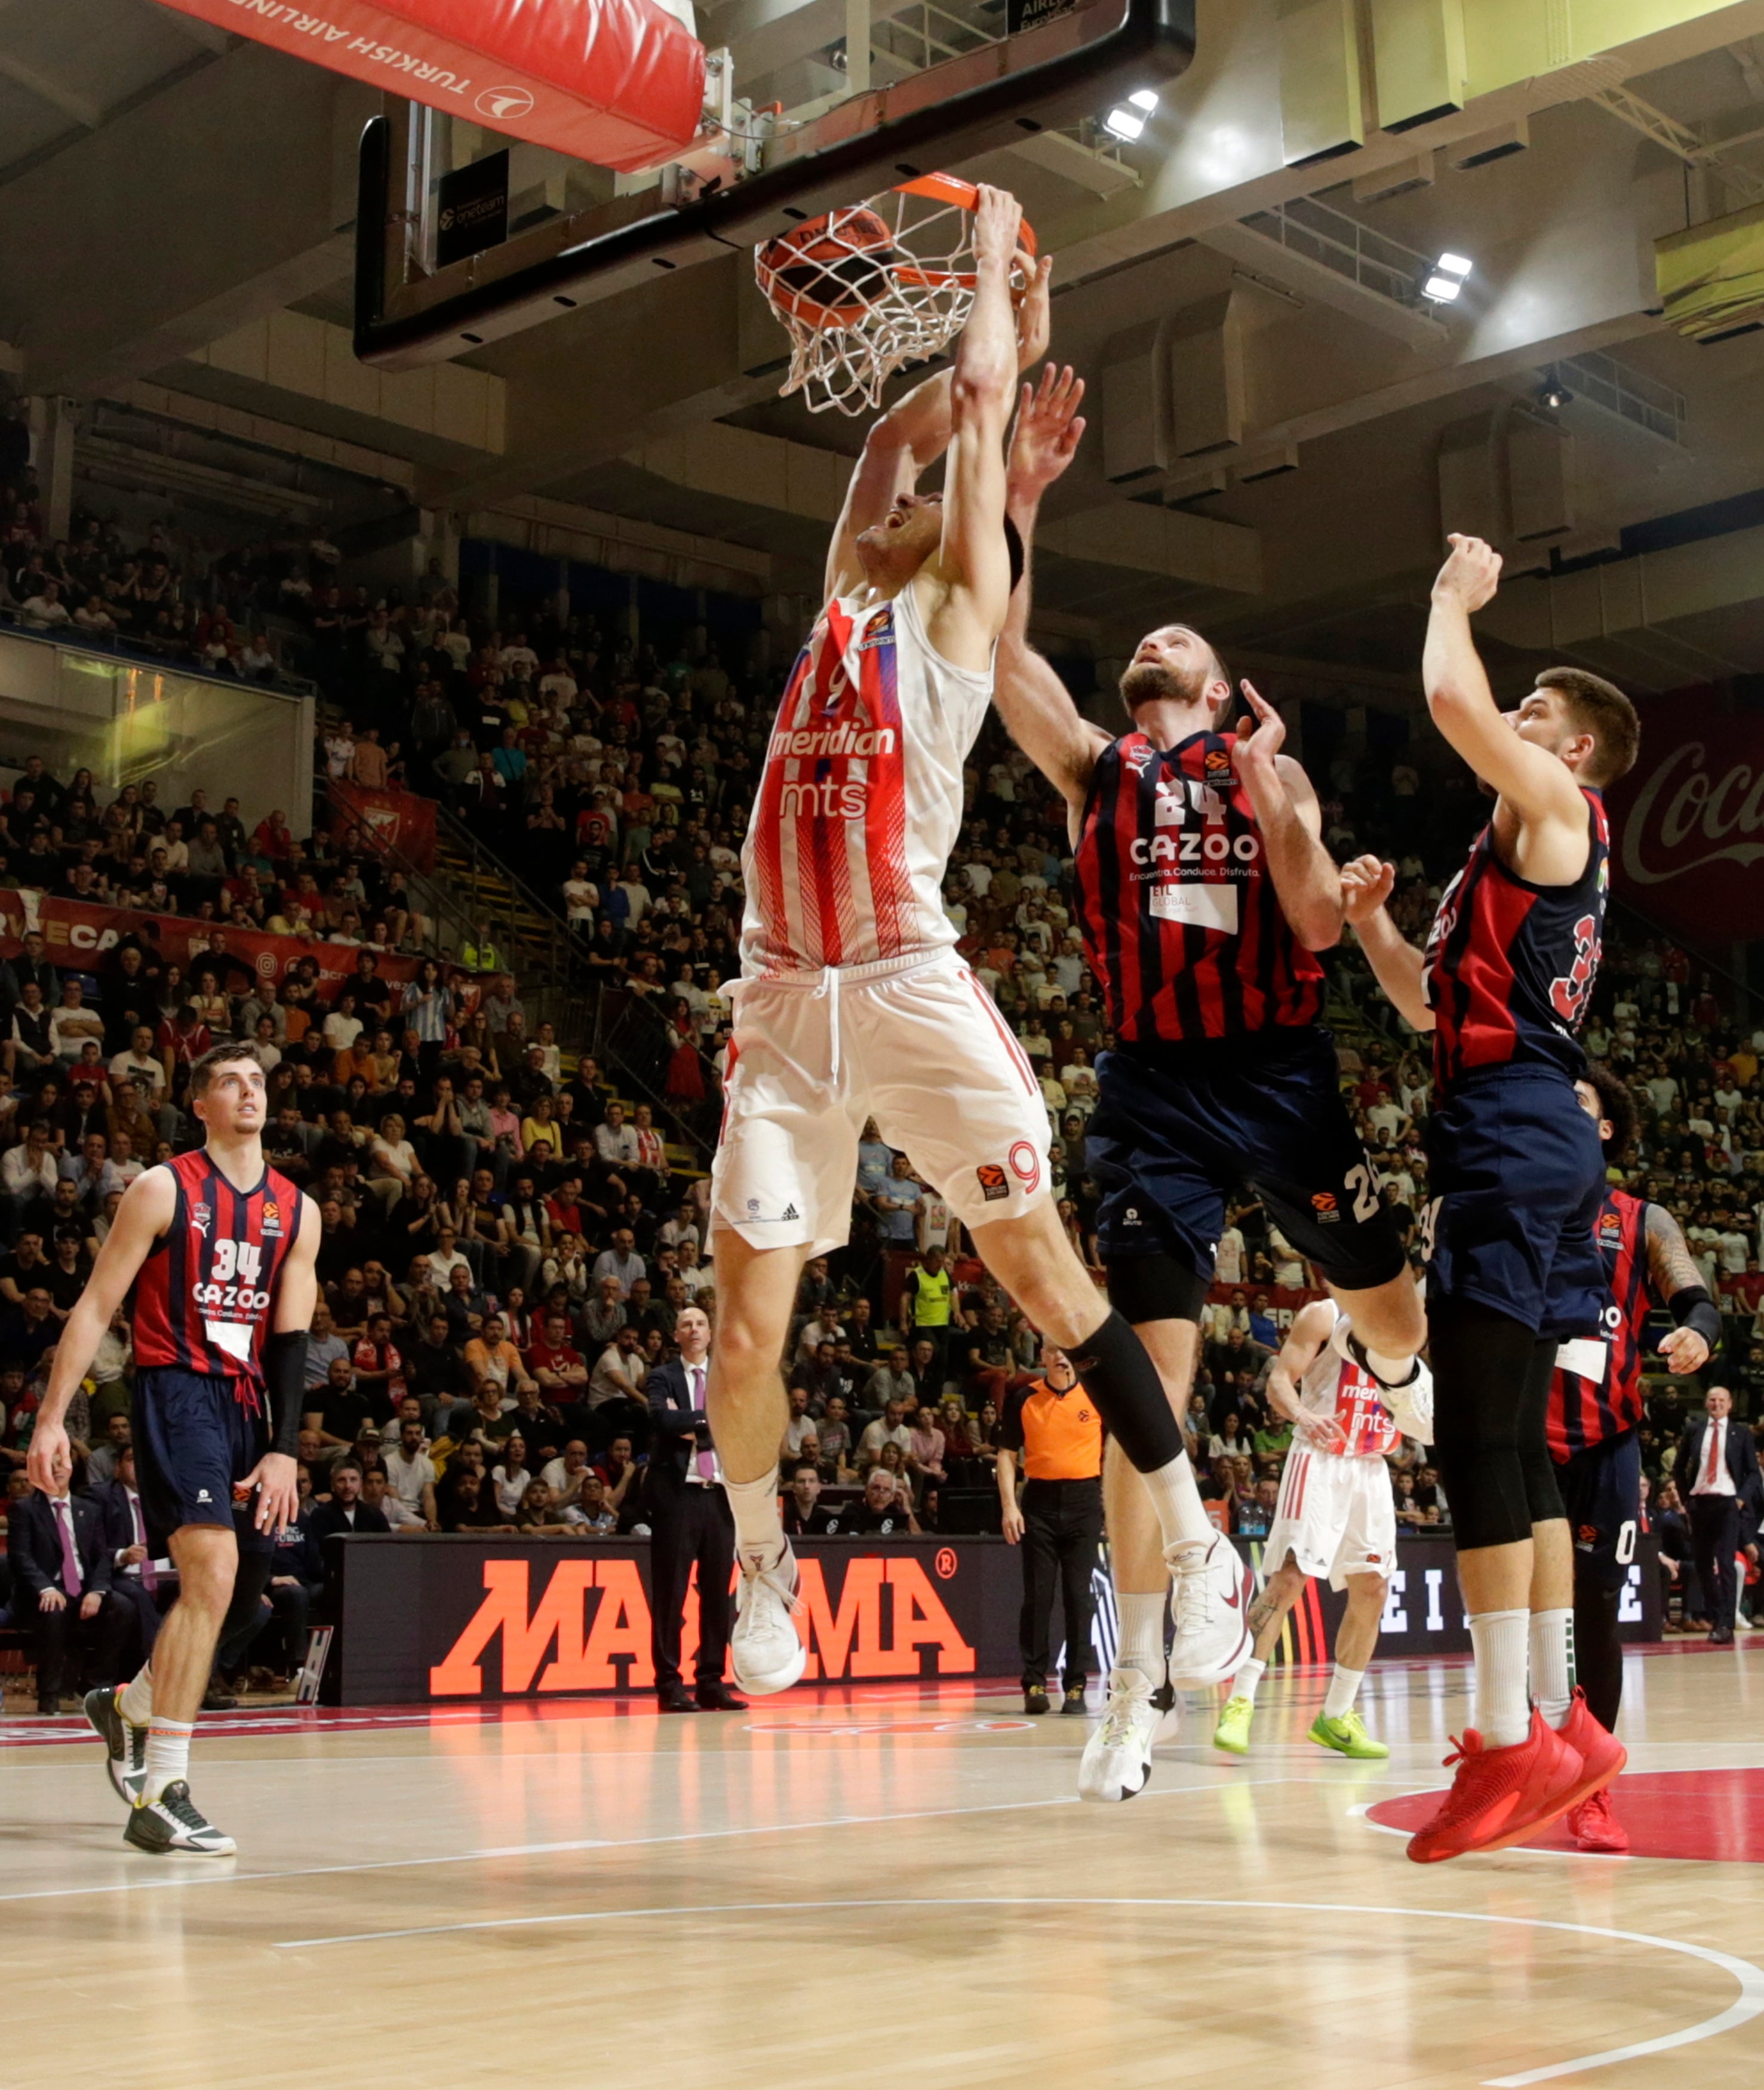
{"x":1181,"y":923}
{"x":1510,"y":965}
{"x":1596,"y":1390}
{"x":203,"y":1297}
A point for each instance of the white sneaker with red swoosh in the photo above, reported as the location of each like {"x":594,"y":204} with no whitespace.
{"x":1211,"y":1598}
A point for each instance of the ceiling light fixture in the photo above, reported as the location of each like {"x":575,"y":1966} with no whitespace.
{"x":1127,"y":121}
{"x":1445,"y":279}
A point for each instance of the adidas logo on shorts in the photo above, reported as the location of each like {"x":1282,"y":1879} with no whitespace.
{"x":791,"y":1212}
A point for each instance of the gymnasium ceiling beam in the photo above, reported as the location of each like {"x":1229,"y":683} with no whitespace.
{"x":245,"y":172}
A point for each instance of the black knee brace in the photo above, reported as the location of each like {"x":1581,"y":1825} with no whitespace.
{"x":1491,"y":1385}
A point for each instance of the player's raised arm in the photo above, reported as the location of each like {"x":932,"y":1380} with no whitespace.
{"x":1398,"y":967}
{"x":1035,"y":705}
{"x":971,"y":570}
{"x":145,"y":1212}
{"x":905,"y":441}
{"x":1531,"y":780}
{"x":1291,"y":820}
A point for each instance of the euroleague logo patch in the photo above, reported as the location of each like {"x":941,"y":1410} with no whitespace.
{"x":994,"y":1183}
{"x":272,"y":1216}
{"x":1323,"y":1204}
{"x":1218,"y":767}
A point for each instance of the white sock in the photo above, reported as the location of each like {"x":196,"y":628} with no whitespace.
{"x":136,"y":1701}
{"x":1182,"y":1516}
{"x":1499,"y":1640}
{"x":1343,"y":1688}
{"x":1393,"y":1367}
{"x":754,"y":1504}
{"x":1243,"y":1684}
{"x":1552,"y":1664}
{"x":168,"y":1754}
{"x":1142,"y":1634}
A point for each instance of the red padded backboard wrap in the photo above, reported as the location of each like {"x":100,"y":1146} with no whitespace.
{"x":618,"y":82}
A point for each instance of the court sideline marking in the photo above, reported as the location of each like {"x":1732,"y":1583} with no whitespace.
{"x":1748,"y":2005}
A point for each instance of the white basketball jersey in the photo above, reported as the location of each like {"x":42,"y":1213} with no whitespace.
{"x":1336,"y":1385}
{"x":860,"y":800}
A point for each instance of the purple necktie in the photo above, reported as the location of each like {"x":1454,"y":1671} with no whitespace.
{"x":149,"y":1572}
{"x":71,"y":1584}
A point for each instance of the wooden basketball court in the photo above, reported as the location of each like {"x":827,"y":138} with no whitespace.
{"x":897,"y":1884}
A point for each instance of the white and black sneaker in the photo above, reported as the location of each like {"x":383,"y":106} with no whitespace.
{"x":1116,"y":1761}
{"x":125,"y":1744}
{"x":173,"y":1823}
{"x":1211,"y":1598}
{"x":765,"y":1649}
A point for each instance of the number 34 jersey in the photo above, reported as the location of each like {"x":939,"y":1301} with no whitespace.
{"x":203,"y":1299}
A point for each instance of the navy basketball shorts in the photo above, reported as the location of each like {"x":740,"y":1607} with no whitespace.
{"x":1602,"y":1499}
{"x":194,"y":1438}
{"x":1178,"y":1127}
{"x":1517,"y":1178}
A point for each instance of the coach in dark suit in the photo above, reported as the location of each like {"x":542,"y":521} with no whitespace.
{"x":690,"y":1523}
{"x":61,"y":1586}
{"x":1717,"y":1473}
{"x":134,"y":1579}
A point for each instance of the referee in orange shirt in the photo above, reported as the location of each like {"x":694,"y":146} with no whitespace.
{"x":1053,"y":1428}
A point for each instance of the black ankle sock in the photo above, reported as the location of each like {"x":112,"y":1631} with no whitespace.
{"x":1115,"y":1369}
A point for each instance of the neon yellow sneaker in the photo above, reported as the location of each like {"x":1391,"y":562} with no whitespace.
{"x":1233,"y":1733}
{"x":1346,"y":1736}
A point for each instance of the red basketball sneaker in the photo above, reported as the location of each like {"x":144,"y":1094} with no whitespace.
{"x":1595,"y":1827}
{"x":1501,"y":1796}
{"x":1602,"y":1755}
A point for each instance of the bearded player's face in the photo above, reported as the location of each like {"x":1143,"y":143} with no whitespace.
{"x":233,"y":1103}
{"x":1171,"y":664}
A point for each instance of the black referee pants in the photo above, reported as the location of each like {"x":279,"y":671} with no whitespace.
{"x":1062,"y":1530}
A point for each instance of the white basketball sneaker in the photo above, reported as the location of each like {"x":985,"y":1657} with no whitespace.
{"x":1117,"y":1757}
{"x":1211,"y":1598}
{"x":764,"y":1647}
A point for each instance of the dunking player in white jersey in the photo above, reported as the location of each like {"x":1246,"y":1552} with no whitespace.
{"x":852,"y":1002}
{"x":1335,"y":1515}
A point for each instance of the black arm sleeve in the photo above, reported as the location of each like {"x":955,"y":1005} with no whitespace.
{"x":1692,"y":1307}
{"x":285,"y":1379}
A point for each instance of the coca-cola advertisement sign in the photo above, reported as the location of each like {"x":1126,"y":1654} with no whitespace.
{"x":1688,"y":822}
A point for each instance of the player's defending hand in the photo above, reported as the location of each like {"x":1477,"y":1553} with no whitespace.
{"x":1366,"y":884}
{"x":1470,"y":575}
{"x":1048,"y":431}
{"x":1257,"y":750}
{"x":1684,"y":1351}
{"x":278,"y":1491}
{"x":51,"y":1461}
{"x":1035,"y":318}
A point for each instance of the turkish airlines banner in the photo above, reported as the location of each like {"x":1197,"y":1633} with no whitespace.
{"x":403,"y":821}
{"x":78,"y":935}
{"x":1687,"y":821}
{"x":620,"y":83}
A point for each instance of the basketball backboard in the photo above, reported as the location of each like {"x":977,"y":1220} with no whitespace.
{"x":464,"y":236}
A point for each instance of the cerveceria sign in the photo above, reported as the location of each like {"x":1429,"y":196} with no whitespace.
{"x":477,"y":1617}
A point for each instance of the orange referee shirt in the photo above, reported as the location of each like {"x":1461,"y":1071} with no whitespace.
{"x":1059,"y":1435}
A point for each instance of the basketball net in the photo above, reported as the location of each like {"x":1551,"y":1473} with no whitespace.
{"x":873,"y":286}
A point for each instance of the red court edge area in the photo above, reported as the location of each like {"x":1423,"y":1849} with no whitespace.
{"x":1697,"y":1814}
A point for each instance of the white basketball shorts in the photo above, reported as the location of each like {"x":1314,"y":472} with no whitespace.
{"x":1335,"y":1516}
{"x":924,"y":1051}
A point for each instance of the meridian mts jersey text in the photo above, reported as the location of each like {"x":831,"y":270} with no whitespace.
{"x":1181,"y":922}
{"x":202,"y":1299}
{"x":1335,"y":1385}
{"x":860,"y":801}
{"x":1510,"y":965}
{"x":1596,"y":1390}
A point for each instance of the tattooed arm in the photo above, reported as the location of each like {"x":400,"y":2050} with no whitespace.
{"x":1677,"y":1284}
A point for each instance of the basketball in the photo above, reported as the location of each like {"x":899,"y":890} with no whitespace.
{"x":827,"y":273}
